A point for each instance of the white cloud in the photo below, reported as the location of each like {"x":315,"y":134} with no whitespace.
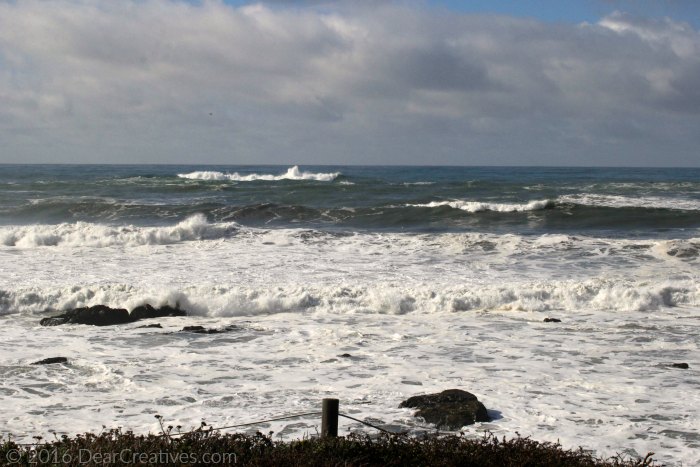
{"x":163,"y":81}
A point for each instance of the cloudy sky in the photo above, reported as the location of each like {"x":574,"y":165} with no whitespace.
{"x":596,"y":82}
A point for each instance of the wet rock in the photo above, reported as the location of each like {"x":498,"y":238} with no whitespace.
{"x":150,"y":326}
{"x":147,"y":312}
{"x":98,"y":315}
{"x":51,"y":361}
{"x":451,"y":409}
{"x":101,"y":315}
{"x":345,"y":355}
{"x":682,"y":366}
{"x":54,"y":320}
{"x":552,"y":320}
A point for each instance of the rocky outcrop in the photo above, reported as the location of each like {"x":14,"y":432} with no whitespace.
{"x":101,"y":315}
{"x":147,"y":312}
{"x":51,"y":361}
{"x":451,"y":409}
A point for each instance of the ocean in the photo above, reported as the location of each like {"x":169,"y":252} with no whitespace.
{"x":430,"y":278}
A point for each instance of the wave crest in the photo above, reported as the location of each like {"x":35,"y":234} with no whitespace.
{"x":479,"y":206}
{"x":97,"y":235}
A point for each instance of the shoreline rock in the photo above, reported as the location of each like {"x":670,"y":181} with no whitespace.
{"x":451,"y":409}
{"x":51,"y":361}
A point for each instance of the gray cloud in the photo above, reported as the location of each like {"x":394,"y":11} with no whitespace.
{"x":162,"y":81}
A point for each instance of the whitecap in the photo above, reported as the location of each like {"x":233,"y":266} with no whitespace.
{"x":293,"y":173}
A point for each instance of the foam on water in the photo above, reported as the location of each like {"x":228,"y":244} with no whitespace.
{"x":230,"y":300}
{"x":417,"y":313}
{"x":293,"y":173}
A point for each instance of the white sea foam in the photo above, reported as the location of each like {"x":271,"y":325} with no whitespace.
{"x":418,"y":313}
{"x":480,"y":206}
{"x":293,"y":173}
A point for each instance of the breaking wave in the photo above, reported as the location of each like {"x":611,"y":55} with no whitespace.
{"x":98,"y":235}
{"x":377,"y":298}
{"x":293,"y":173}
{"x":619,"y":201}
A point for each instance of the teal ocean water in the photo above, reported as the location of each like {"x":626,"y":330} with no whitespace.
{"x":618,"y":202}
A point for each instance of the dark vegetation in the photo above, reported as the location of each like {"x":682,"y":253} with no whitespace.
{"x":206,"y":447}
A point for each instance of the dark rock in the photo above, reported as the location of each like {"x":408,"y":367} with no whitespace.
{"x":147,"y":311}
{"x":203,"y":330}
{"x":50,"y":361}
{"x":98,"y":315}
{"x":682,"y":366}
{"x":451,"y":409}
{"x":345,"y":355}
{"x":552,"y":320}
{"x":684,"y":252}
{"x":101,"y":315}
{"x":148,"y":326}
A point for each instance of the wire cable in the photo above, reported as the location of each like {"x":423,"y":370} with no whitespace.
{"x":370,"y":425}
{"x":286,"y":417}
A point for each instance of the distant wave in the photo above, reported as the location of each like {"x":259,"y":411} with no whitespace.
{"x":479,"y":206}
{"x":97,"y":235}
{"x":293,"y":173}
{"x":618,"y":201}
{"x":587,"y":200}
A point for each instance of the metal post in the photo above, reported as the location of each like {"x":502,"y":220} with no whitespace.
{"x":329,"y":418}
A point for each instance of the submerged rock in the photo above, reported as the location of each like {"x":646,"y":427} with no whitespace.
{"x":682,"y":366}
{"x":552,"y":320}
{"x":203,"y":330}
{"x":150,"y":326}
{"x":451,"y":409}
{"x":50,"y":361}
{"x":101,"y":315}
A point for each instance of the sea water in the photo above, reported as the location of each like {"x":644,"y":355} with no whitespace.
{"x":430,"y":278}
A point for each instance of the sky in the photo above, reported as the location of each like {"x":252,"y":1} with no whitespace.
{"x":439,"y":82}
